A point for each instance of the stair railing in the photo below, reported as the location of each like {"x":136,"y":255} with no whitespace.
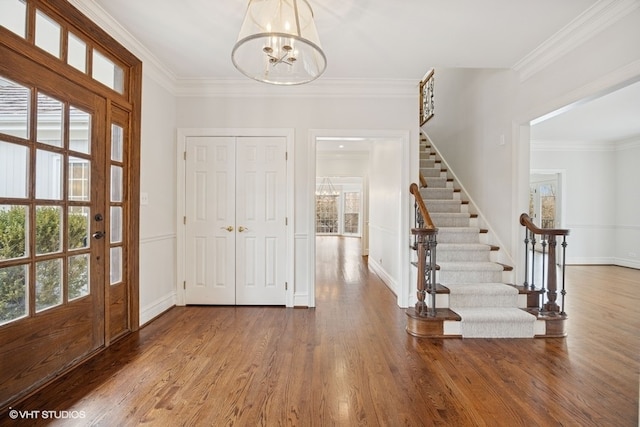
{"x":425,"y":243}
{"x":548,"y":240}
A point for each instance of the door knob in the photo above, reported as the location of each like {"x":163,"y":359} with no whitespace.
{"x":229,"y":228}
{"x":98,"y":235}
{"x":241,"y":229}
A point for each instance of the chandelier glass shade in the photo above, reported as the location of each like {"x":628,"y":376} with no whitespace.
{"x":279,"y":44}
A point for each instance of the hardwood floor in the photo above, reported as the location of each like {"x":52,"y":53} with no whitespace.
{"x":349,"y":362}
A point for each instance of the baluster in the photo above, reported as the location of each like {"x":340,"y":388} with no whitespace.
{"x":526,"y":258}
{"x":432,"y":269}
{"x":421,"y":306}
{"x":543,"y":243}
{"x":533,"y":260}
{"x":552,"y":284}
{"x":564,"y":264}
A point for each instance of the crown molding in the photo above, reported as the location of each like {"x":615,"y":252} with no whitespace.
{"x":151,"y":65}
{"x":598,"y":17}
{"x":628,"y":144}
{"x":573,"y":146}
{"x":348,"y":88}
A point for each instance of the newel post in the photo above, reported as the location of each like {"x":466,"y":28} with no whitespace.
{"x":552,"y":280}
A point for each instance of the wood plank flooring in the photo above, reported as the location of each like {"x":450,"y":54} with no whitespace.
{"x":349,"y":362}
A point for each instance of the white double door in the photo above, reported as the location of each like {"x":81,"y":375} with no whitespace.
{"x":236,"y":201}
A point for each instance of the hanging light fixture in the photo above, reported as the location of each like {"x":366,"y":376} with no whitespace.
{"x":278,"y":43}
{"x":326,"y":188}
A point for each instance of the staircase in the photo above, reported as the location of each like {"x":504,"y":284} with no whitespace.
{"x":475,"y":296}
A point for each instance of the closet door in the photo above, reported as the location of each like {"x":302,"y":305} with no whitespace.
{"x":261,"y":205}
{"x":210,"y":223}
{"x":236,"y":220}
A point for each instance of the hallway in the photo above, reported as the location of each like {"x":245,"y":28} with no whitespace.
{"x":349,"y":362}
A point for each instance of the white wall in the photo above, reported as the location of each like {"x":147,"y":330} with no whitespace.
{"x":385,"y":186}
{"x":157,"y":218}
{"x":308,"y":114}
{"x":589,"y":193}
{"x":627,"y":242}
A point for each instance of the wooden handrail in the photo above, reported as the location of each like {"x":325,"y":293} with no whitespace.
{"x":415,"y":190}
{"x":423,"y":181}
{"x":526,"y":221}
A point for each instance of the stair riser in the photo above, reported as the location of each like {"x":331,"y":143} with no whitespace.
{"x":449,"y":221}
{"x":463,"y":256}
{"x":431,"y":172}
{"x":437,"y":193}
{"x":445,"y":277}
{"x":444,"y":206}
{"x":462,"y":236}
{"x":436,"y":182}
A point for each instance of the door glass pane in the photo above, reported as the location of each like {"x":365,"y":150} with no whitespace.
{"x":79,"y":130}
{"x":327,"y":214}
{"x":14,"y":108}
{"x":13,"y":232}
{"x":107,"y":73}
{"x":78,"y":276}
{"x":48,"y":229}
{"x":48,"y":175}
{"x":351,"y":212}
{"x":13,"y":293}
{"x":48,"y":284}
{"x":116,"y":224}
{"x":116,"y":265}
{"x":77,"y":53}
{"x":47,"y":34}
{"x":13,"y":16}
{"x":49,"y":120}
{"x":79,"y":179}
{"x":78,"y":227}
{"x":116,"y":184}
{"x":116,"y":143}
{"x":14,"y":160}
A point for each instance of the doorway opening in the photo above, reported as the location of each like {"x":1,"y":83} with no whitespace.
{"x":367,"y":202}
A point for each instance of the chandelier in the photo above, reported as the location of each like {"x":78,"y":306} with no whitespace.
{"x":326,"y":188}
{"x":279,"y":44}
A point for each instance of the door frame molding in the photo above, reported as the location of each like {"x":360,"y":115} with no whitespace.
{"x":181,"y":143}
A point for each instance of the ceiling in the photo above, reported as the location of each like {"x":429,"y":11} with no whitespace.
{"x":362,"y":39}
{"x":385,"y":39}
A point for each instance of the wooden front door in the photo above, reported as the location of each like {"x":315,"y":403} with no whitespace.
{"x":53,"y":216}
{"x":236,"y":220}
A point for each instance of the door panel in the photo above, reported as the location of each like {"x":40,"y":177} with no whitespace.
{"x":261,"y":220}
{"x":63,"y":266}
{"x":236,"y":220}
{"x":210,"y":220}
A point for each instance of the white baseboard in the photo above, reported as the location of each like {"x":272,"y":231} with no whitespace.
{"x":622,"y":262}
{"x":386,"y":278}
{"x":157,"y":307}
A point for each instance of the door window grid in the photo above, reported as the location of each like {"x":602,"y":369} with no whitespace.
{"x":49,"y":37}
{"x":54,"y":229}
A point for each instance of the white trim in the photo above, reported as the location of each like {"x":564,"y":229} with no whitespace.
{"x":158,"y":238}
{"x":182,"y":135}
{"x":152,"y":65}
{"x":403,"y":137}
{"x":321,"y":88}
{"x":572,"y":146}
{"x":157,"y":307}
{"x":606,"y":84}
{"x":598,"y":17}
{"x":628,"y":144}
{"x":384,"y":276}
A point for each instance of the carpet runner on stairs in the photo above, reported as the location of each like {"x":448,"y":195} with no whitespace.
{"x":488,"y":307}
